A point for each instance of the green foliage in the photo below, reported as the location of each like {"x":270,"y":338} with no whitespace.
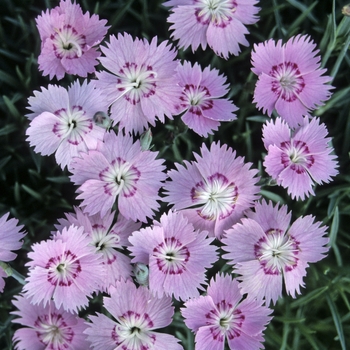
{"x":36,"y":191}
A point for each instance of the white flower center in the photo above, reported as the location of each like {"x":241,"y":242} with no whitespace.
{"x":136,"y":82}
{"x":288,"y":83}
{"x":171,"y":256}
{"x":217,"y":12}
{"x":133,"y":331}
{"x":73,"y":125}
{"x":52,"y":330}
{"x":296,"y":155}
{"x":63,"y":269}
{"x":217,"y":197}
{"x":121,"y":178}
{"x":277,"y":252}
{"x":68,"y":42}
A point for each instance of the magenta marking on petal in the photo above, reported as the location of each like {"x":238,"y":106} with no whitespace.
{"x":63,"y":269}
{"x":288,"y":83}
{"x":171,"y":256}
{"x":47,"y":327}
{"x":60,"y":111}
{"x":296,"y":155}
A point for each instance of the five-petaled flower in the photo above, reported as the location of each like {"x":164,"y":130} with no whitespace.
{"x":140,"y":84}
{"x":137,"y":313}
{"x":47,"y":327}
{"x":68,"y":38}
{"x":265,"y":251}
{"x":290,"y":79}
{"x":64,"y":269}
{"x":201,"y":99}
{"x":214,"y":191}
{"x":177,"y":255}
{"x":119,"y":169}
{"x":217,"y":23}
{"x":222,"y":315}
{"x":297,"y":159}
{"x":62,"y":121}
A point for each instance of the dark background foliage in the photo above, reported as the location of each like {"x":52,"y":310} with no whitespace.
{"x":37,"y":192}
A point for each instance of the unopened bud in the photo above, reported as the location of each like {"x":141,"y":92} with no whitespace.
{"x":141,"y":274}
{"x":102,"y":119}
{"x":146,"y":140}
{"x":346,"y":10}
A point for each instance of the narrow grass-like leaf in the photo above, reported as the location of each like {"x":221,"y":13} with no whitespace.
{"x":334,"y":227}
{"x":33,"y":193}
{"x":309,"y":297}
{"x":337,"y":321}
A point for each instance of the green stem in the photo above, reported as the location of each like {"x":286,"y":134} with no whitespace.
{"x":13,"y":273}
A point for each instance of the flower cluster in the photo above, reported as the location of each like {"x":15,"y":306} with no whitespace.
{"x":68,"y":40}
{"x":142,"y":247}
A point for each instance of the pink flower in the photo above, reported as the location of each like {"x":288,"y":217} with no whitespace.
{"x":46,"y":327}
{"x":120,"y":169}
{"x":11,"y":239}
{"x":214,"y":191}
{"x":141,"y":84}
{"x":217,"y":23}
{"x":201,"y":98}
{"x":137,"y":314}
{"x":297,"y":159}
{"x":65,"y":270}
{"x":62,"y":121}
{"x":265,"y":251}
{"x":108,"y":237}
{"x":68,"y":37}
{"x":177,"y":255}
{"x":290,"y":79}
{"x":222,"y":315}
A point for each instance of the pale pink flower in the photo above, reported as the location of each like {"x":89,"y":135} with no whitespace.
{"x":267,"y":252}
{"x":297,"y":159}
{"x":202,"y":98}
{"x":214,"y":191}
{"x":68,"y":38}
{"x":290,"y":78}
{"x":108,"y":237}
{"x":222,"y":315}
{"x":137,"y":313}
{"x":62,"y":121}
{"x":140,"y":84}
{"x":120,"y":169}
{"x":10,"y":239}
{"x":46,"y":327}
{"x":220,"y":24}
{"x":177,"y":255}
{"x":64,"y":269}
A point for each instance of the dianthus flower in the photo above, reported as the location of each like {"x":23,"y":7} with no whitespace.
{"x":119,"y":169}
{"x":217,"y":23}
{"x":297,"y":159}
{"x":63,"y":121}
{"x":201,"y":98}
{"x":214,"y":191}
{"x":222,"y":315}
{"x":64,"y":269}
{"x":141,"y":83}
{"x":290,"y":79}
{"x":68,"y":38}
{"x":46,"y":327}
{"x":177,"y":255}
{"x":10,"y":239}
{"x":265,"y":251}
{"x":137,"y":313}
{"x":107,"y":237}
